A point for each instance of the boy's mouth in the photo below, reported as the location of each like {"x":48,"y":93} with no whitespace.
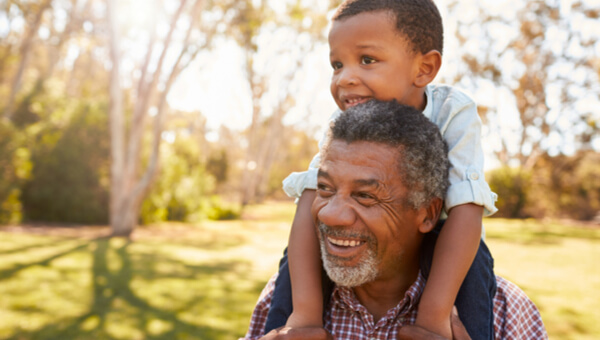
{"x":349,"y":102}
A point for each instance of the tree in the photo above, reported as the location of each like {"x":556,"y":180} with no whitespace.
{"x":535,"y":72}
{"x":25,"y":54}
{"x":305,"y":26}
{"x":128,"y":186}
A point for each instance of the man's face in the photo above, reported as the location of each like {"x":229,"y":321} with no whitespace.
{"x":365,"y":230}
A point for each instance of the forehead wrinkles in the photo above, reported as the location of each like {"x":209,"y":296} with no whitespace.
{"x":378,"y":161}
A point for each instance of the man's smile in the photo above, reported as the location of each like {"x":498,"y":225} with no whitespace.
{"x":344,"y":245}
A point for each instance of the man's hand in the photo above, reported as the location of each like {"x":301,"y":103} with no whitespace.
{"x":459,"y":332}
{"x":288,"y":333}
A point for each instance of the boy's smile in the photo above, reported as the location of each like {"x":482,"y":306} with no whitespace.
{"x":372,"y":59}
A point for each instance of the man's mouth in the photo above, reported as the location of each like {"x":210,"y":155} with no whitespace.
{"x":344,"y":243}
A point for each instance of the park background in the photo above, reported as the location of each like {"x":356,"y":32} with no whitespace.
{"x":143,"y":144}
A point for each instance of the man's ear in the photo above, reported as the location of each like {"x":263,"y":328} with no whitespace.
{"x":430,"y":64}
{"x":430,"y":215}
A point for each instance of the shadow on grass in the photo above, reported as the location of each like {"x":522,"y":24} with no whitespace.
{"x":8,"y":273}
{"x":30,"y":247}
{"x":115,"y":302}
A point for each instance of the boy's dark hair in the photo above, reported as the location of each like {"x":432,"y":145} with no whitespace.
{"x":423,"y":154}
{"x":418,"y":20}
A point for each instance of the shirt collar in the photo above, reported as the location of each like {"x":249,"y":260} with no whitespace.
{"x":428,"y":111}
{"x":344,"y":298}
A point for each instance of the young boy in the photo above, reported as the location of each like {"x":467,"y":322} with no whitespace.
{"x":391,"y":49}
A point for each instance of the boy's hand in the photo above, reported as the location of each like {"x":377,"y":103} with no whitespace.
{"x":289,"y":333}
{"x":459,"y":332}
{"x":443,"y":328}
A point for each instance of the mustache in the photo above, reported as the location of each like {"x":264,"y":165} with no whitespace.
{"x":345,"y":233}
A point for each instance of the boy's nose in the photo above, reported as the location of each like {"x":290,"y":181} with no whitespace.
{"x":337,"y":213}
{"x":347,"y":77}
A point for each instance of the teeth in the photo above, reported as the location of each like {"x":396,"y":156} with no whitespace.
{"x":344,"y":243}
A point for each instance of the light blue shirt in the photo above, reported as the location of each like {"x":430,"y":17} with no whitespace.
{"x":455,"y":114}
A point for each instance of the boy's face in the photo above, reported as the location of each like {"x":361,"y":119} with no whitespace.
{"x":371,"y":59}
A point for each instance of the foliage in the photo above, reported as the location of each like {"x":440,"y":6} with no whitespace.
{"x":567,"y":186}
{"x":561,"y":186}
{"x":218,"y":165}
{"x":15,"y":167}
{"x":300,"y":149}
{"x":69,"y":179}
{"x":535,"y":72}
{"x":182,"y":190}
{"x":512,"y":186}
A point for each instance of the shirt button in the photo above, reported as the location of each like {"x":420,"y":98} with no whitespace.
{"x":474,"y":176}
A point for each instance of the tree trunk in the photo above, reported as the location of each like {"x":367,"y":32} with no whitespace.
{"x":25,"y":55}
{"x":116,"y":128}
{"x":128,"y":188}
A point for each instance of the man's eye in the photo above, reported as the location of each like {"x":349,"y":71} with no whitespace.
{"x":365,"y":198}
{"x":336,"y":65}
{"x":367,"y":60}
{"x":324,"y":190}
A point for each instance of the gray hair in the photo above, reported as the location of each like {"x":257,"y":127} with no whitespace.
{"x":422,"y":153}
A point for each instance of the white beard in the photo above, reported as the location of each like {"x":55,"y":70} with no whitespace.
{"x":346,"y":276}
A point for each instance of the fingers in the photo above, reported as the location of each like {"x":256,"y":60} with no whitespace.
{"x":288,"y":333}
{"x":412,"y":332}
{"x":459,"y":332}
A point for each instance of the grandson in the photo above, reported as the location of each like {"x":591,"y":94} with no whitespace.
{"x":391,"y":49}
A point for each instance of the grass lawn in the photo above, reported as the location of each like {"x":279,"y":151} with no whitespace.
{"x":181,"y":281}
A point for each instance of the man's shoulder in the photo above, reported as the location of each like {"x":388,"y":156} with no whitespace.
{"x":515,"y":315}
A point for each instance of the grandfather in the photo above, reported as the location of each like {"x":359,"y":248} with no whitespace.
{"x":383,"y":176}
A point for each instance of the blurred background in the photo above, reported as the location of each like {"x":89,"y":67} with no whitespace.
{"x":143,"y":145}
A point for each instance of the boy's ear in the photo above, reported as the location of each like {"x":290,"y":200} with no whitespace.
{"x":429,"y":67}
{"x":430,"y":215}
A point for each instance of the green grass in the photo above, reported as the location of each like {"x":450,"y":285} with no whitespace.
{"x":180,"y":281}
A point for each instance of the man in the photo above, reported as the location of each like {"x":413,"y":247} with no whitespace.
{"x":383,"y":175}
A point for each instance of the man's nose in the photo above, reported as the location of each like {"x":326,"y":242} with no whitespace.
{"x":347,"y":77}
{"x":337,"y":212}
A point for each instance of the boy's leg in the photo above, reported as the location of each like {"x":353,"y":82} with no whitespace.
{"x":281,"y":303}
{"x":475,"y":296}
{"x":475,"y":299}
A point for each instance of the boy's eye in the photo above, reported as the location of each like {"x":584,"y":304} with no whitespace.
{"x":336,"y":65}
{"x":367,"y":60}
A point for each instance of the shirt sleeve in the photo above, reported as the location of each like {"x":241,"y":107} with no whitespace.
{"x":515,"y":315}
{"x":461,"y":128}
{"x":297,"y":182}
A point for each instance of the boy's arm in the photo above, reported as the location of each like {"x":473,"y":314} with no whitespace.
{"x":461,"y":126}
{"x":305,"y":267}
{"x":467,"y":200}
{"x":304,"y":256}
{"x":455,"y":250}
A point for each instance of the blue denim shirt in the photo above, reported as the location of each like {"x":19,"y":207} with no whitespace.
{"x":455,"y":114}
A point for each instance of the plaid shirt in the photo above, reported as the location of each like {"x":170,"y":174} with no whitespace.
{"x":515,"y":316}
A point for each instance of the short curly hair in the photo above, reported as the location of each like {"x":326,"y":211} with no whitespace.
{"x":422,"y":152}
{"x":418,"y":20}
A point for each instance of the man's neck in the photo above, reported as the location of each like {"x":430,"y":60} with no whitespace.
{"x":381,"y":295}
